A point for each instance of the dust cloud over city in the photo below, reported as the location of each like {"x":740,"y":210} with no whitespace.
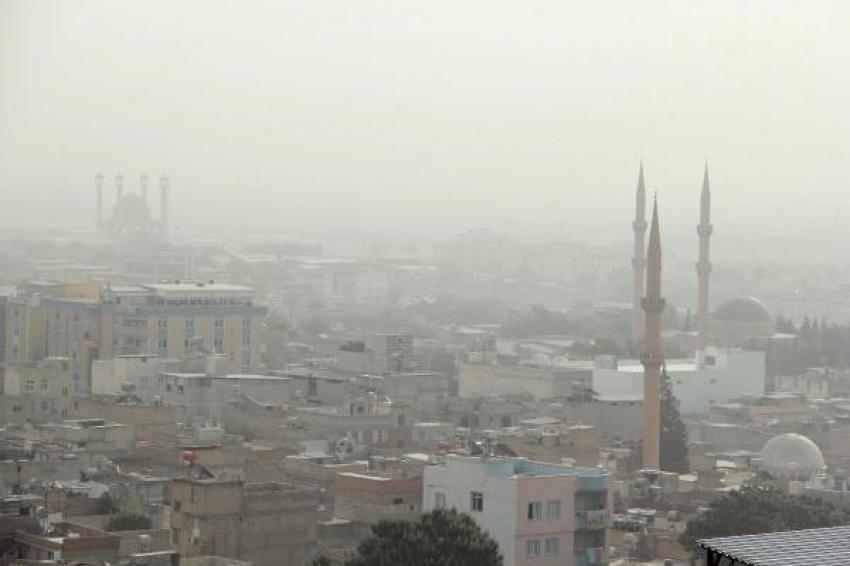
{"x":289,"y":283}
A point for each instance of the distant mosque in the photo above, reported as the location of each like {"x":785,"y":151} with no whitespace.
{"x":743,"y":322}
{"x":131,"y":216}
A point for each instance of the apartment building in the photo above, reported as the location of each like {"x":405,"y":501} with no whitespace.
{"x":540,"y":514}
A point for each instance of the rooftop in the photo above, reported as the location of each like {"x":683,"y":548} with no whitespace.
{"x":164,"y":288}
{"x":811,"y":547}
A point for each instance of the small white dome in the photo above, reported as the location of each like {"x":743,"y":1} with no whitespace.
{"x":792,"y":455}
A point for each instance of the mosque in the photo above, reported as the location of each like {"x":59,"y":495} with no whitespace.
{"x":739,"y":322}
{"x":131,"y":216}
{"x":724,"y":367}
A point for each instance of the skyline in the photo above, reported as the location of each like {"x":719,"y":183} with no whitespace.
{"x":529,"y":123}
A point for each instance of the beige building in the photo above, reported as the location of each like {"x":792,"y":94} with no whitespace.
{"x":267,"y":524}
{"x":176,"y":320}
{"x":38,"y":393}
{"x":482,"y":379}
{"x":84,"y":322}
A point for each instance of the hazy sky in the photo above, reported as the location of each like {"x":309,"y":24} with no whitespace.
{"x":427,"y":117}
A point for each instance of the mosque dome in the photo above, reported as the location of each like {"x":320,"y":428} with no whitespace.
{"x":132,"y":212}
{"x":742,"y":309}
{"x":791,"y":455}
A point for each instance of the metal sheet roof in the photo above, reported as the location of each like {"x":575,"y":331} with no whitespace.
{"x":810,"y":547}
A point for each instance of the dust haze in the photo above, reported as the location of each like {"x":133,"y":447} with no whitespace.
{"x":419,"y":120}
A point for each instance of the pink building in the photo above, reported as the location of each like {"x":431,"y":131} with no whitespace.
{"x":540,"y":514}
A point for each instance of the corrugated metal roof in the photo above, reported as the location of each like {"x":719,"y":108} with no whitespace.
{"x":811,"y":547}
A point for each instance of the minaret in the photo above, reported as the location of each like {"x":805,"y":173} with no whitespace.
{"x":652,"y":357}
{"x":98,"y":184}
{"x":704,"y":230}
{"x":639,"y":259}
{"x":164,"y":183}
{"x":119,"y":189}
{"x":143,"y":184}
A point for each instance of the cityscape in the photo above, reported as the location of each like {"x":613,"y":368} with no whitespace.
{"x":238,"y":341}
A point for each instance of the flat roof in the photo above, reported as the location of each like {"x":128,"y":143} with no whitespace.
{"x":197,"y":287}
{"x":810,"y":547}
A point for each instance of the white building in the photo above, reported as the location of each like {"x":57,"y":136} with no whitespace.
{"x":540,"y":514}
{"x":716,"y":376}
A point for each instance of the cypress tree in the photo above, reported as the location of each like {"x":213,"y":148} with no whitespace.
{"x":674,"y":435}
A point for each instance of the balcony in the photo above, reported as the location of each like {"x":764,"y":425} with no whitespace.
{"x":592,"y":556}
{"x":593,"y":483}
{"x":592,"y":520}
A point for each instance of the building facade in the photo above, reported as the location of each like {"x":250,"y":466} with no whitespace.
{"x":266,"y":524}
{"x":540,"y":514}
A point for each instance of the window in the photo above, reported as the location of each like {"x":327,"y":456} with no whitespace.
{"x":30,"y":385}
{"x":535,"y":511}
{"x":476,"y":501}
{"x":162,"y":323}
{"x":219,"y":323}
{"x":193,"y":494}
{"x":552,"y":546}
{"x":398,"y":500}
{"x":553,"y":509}
{"x":532,"y":548}
{"x":439,"y":500}
{"x":44,"y":385}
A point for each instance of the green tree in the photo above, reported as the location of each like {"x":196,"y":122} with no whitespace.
{"x":674,"y":435}
{"x":442,"y":537}
{"x":321,"y":561}
{"x":127,"y":521}
{"x":754,"y":509}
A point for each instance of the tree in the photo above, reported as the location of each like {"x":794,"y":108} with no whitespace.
{"x":674,"y":435}
{"x":443,"y":537}
{"x":321,"y":561}
{"x":755,"y":509}
{"x":127,"y":521}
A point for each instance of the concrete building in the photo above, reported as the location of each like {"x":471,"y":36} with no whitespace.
{"x":40,"y":393}
{"x":374,"y":496}
{"x":267,"y":524}
{"x":69,"y":543}
{"x":84,"y":322}
{"x":99,"y":436}
{"x":716,"y":376}
{"x":378,"y":354}
{"x":540,"y":514}
{"x":180,"y":320}
{"x":204,"y":395}
{"x":135,"y":374}
{"x":479,"y":379}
